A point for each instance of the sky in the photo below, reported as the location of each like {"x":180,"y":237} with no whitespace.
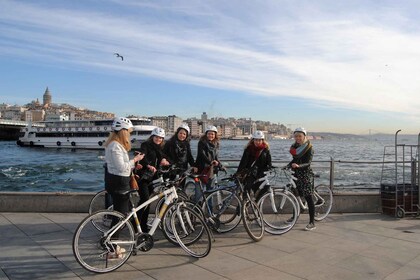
{"x":329,"y":66}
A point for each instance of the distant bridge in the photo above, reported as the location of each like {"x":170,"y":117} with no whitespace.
{"x":9,"y":129}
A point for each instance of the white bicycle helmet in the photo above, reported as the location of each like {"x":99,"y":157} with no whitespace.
{"x":300,"y":129}
{"x":185,"y":127}
{"x":258,"y":134}
{"x":121,"y":123}
{"x":157,"y":131}
{"x":211,"y":128}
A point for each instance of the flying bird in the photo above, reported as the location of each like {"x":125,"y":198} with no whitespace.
{"x":120,"y":56}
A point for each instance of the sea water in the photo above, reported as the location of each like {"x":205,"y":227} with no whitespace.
{"x":24,"y":169}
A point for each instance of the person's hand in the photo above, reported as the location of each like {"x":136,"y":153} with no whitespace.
{"x":164,"y":162}
{"x":194,"y":169}
{"x":139,"y":166}
{"x":295,"y":165}
{"x":151,"y":168}
{"x":215,"y":163}
{"x":138,"y":157}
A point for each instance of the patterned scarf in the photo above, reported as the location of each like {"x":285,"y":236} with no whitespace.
{"x":297,"y":151}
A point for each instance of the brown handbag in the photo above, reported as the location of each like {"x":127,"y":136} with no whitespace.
{"x":133,"y":182}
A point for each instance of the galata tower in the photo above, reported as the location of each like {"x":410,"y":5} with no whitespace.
{"x":47,"y":98}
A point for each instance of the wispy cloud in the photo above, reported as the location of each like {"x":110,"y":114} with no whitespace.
{"x":348,"y":59}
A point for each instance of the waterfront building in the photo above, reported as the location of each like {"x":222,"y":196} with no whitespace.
{"x":173,"y":123}
{"x":195,"y":127}
{"x":34,"y":115}
{"x":160,"y":121}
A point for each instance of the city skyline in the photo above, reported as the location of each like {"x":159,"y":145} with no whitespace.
{"x":330,"y":66}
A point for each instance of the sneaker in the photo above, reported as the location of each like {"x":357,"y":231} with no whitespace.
{"x":310,"y":226}
{"x":118,"y":254}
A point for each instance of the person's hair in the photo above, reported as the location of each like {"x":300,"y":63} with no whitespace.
{"x":150,"y":139}
{"x":214,"y":142}
{"x":251,"y":142}
{"x":122,"y":137}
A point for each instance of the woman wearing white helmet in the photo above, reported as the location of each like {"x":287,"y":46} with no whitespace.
{"x":154,"y":157}
{"x":255,"y":160}
{"x":178,"y":149}
{"x":207,"y":156}
{"x":302,"y":153}
{"x":118,"y":165}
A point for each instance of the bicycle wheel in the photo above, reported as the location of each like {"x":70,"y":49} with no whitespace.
{"x":323,"y":199}
{"x":165,"y":224}
{"x":100,"y":201}
{"x":279,"y":212}
{"x":224,"y":207}
{"x":253,"y":220}
{"x":191,"y":231}
{"x":91,"y":248}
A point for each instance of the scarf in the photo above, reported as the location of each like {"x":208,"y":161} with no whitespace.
{"x":297,"y":151}
{"x":255,"y":151}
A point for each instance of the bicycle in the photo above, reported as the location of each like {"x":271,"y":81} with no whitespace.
{"x":232,"y":203}
{"x":95,"y":243}
{"x":280,"y":210}
{"x":322,"y":196}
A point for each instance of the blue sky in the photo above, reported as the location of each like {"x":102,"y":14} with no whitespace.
{"x":338,"y":66}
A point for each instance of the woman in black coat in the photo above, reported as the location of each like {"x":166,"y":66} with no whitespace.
{"x":255,"y":160}
{"x":154,"y":157}
{"x":302,"y":153}
{"x":178,"y":149}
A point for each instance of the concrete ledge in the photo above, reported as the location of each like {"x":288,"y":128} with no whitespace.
{"x":48,"y":202}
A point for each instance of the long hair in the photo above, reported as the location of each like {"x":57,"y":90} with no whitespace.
{"x":251,"y":142}
{"x":215,"y":141}
{"x":122,"y":137}
{"x":175,"y":136}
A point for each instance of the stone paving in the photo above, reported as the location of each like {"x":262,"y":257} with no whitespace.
{"x":344,"y":246}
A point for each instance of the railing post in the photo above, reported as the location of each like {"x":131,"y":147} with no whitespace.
{"x":332,"y":174}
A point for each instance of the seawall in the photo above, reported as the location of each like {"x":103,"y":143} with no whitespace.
{"x":50,"y":202}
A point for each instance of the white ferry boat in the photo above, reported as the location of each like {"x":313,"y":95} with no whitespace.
{"x":79,"y":134}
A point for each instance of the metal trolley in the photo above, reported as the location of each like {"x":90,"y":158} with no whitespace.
{"x":400,"y":179}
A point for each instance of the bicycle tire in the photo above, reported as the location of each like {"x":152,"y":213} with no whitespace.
{"x":253,"y":220}
{"x":323,"y":199}
{"x":228,"y":216}
{"x":281,"y":216}
{"x":98,"y":202}
{"x":191,"y":231}
{"x":165,"y":224}
{"x":92,"y":251}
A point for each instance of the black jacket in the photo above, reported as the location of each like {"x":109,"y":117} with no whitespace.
{"x":178,"y":153}
{"x":206,"y":153}
{"x":153,"y":155}
{"x":263,"y":162}
{"x":304,"y":161}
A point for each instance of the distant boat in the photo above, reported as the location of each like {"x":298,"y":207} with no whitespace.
{"x":79,"y":134}
{"x":240,"y":137}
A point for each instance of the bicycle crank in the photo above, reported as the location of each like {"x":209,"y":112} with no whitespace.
{"x":144,"y":242}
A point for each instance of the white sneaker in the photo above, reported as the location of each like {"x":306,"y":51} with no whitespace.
{"x":310,"y":226}
{"x":118,"y":254}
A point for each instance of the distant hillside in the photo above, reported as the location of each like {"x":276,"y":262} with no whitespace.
{"x":331,"y":135}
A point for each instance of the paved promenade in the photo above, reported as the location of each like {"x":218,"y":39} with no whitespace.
{"x":345,"y":246}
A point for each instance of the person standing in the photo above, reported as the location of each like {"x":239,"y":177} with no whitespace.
{"x":118,"y":169}
{"x":178,"y":149}
{"x":255,"y":160}
{"x":302,"y":153}
{"x":207,"y":157}
{"x":154,"y":157}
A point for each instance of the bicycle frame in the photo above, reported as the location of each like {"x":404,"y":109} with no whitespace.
{"x":169,"y":194}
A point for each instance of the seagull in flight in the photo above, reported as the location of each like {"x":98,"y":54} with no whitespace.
{"x":120,"y":56}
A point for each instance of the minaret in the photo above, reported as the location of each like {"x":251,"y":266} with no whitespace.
{"x":47,"y":98}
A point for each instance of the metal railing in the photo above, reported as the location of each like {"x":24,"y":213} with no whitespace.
{"x":343,"y":175}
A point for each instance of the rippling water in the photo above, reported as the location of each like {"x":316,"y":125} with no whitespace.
{"x":64,"y":170}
